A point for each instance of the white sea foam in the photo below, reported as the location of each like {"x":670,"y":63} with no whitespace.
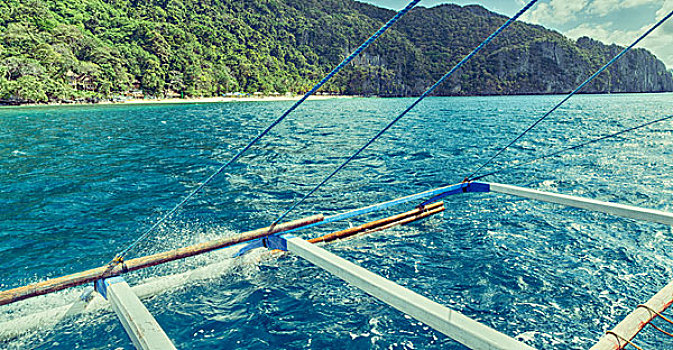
{"x":46,"y":312}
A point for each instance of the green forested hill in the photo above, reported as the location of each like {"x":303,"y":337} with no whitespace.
{"x":66,"y":49}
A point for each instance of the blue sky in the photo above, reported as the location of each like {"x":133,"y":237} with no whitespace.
{"x":610,"y":21}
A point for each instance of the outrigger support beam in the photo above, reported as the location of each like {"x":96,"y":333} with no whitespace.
{"x":634,"y":322}
{"x":78,"y":279}
{"x":90,"y":302}
{"x":383,"y":224}
{"x":622,"y":210}
{"x":452,"y":323}
{"x":144,"y":331}
{"x":378,"y":225}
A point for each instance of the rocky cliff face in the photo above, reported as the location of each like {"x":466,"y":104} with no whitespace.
{"x":637,"y":71}
{"x":526,"y":59}
{"x":51,"y":51}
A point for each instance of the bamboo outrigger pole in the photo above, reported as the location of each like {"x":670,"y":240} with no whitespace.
{"x":378,"y":225}
{"x":620,"y":336}
{"x":76,"y":279}
{"x":14,"y":328}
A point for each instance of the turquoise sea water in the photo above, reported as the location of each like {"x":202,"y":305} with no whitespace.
{"x":79,"y":183}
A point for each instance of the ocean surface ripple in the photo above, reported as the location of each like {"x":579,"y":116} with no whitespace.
{"x":79,"y":183}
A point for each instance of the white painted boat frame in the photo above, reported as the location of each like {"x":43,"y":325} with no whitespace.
{"x":634,"y":322}
{"x":622,"y":334}
{"x":94,"y":302}
{"x":449,"y":322}
{"x":622,"y":210}
{"x":143,"y":329}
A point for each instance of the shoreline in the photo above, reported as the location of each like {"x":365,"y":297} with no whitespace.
{"x":196,"y":100}
{"x":226,"y":99}
{"x":187,"y":100}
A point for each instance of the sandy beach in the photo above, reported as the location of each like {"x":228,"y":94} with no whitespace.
{"x":188,"y":100}
{"x":227,"y":99}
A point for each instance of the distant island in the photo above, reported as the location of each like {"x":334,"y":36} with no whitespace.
{"x":91,"y":50}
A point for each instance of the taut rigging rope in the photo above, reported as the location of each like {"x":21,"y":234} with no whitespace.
{"x":119,"y":257}
{"x":613,"y":60}
{"x":555,"y":153}
{"x":421,"y":98}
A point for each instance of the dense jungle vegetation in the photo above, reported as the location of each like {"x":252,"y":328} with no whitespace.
{"x":54,"y":50}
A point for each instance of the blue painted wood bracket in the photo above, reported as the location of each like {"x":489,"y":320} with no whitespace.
{"x":258,"y":243}
{"x":451,"y":189}
{"x":467,"y":187}
{"x":272,"y":242}
{"x":102,"y":284}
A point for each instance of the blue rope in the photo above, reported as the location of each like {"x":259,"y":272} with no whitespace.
{"x":329,"y":76}
{"x":421,"y":98}
{"x":435,"y":195}
{"x":613,"y":60}
{"x":583,"y":144}
{"x":381,"y":206}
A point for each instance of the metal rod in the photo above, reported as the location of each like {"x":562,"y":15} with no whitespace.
{"x":449,"y":322}
{"x":60,"y":283}
{"x":622,"y":210}
{"x":634,"y":322}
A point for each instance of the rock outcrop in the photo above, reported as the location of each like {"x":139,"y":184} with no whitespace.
{"x":526,"y":59}
{"x":52,"y":51}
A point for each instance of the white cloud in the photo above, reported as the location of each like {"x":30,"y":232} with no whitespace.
{"x":555,"y":12}
{"x":659,"y":42}
{"x":665,"y":9}
{"x":558,"y":12}
{"x":562,"y":14}
{"x":604,"y":7}
{"x":604,"y":33}
{"x":635,"y":3}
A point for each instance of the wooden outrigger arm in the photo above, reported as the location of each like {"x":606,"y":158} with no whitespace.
{"x":80,"y":278}
{"x":622,"y":334}
{"x":627,"y":211}
{"x":49,"y":318}
{"x":382,"y":224}
{"x":615,"y":339}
